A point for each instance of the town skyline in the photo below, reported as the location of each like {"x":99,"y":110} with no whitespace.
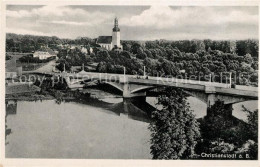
{"x":183,"y":23}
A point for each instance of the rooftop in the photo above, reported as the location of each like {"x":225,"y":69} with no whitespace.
{"x":104,"y":39}
{"x":44,"y":49}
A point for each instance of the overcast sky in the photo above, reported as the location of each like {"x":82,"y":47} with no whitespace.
{"x":135,"y":22}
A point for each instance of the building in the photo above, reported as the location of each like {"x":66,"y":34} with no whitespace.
{"x":105,"y":42}
{"x":44,"y":53}
{"x":13,"y":68}
{"x":84,"y":50}
{"x":110,"y":42}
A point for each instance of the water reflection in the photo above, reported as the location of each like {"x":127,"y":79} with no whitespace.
{"x":136,"y":109}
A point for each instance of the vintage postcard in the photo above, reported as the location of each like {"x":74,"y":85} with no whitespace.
{"x":129,"y":83}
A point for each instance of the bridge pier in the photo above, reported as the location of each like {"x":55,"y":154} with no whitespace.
{"x":128,"y":94}
{"x":138,"y":99}
{"x":228,"y":110}
{"x":212,"y":97}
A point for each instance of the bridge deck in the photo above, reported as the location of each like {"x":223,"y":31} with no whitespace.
{"x":221,"y":88}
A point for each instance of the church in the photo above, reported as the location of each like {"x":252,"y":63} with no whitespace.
{"x":110,"y":42}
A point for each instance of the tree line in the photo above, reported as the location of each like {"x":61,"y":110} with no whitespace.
{"x":31,"y":43}
{"x":166,"y":60}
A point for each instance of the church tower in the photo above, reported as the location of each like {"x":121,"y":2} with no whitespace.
{"x":116,"y":35}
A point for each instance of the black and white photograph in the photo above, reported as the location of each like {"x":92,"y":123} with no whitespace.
{"x":131,"y":82}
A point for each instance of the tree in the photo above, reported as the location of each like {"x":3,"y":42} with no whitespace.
{"x":103,"y":56}
{"x":217,"y":121}
{"x":7,"y":57}
{"x":248,"y":58}
{"x":126,"y":47}
{"x":101,"y":67}
{"x":60,"y":66}
{"x":251,"y":128}
{"x":226,"y":134}
{"x":140,"y":53}
{"x":174,"y":128}
{"x":135,"y":47}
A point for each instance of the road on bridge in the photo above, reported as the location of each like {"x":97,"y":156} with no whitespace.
{"x":47,"y":69}
{"x":96,"y":75}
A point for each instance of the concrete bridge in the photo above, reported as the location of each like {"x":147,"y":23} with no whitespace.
{"x":133,"y":86}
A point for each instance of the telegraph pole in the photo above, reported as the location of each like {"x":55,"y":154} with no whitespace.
{"x":220,"y":77}
{"x":124,"y":75}
{"x":144,"y":71}
{"x":230,"y":77}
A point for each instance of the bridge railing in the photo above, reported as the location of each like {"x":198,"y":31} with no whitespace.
{"x":124,"y":78}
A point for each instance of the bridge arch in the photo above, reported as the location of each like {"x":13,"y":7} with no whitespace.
{"x":116,"y":85}
{"x":201,"y":96}
{"x":76,"y":81}
{"x":142,"y":88}
{"x":212,"y":97}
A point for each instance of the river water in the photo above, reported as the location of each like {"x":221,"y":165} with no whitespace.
{"x":46,"y":129}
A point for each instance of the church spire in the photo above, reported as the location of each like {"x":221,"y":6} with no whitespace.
{"x":116,"y":22}
{"x":116,"y":28}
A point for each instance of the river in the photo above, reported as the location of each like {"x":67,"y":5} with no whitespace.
{"x":45,"y":129}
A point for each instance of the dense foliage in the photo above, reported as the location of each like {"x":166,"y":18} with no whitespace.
{"x":31,"y":59}
{"x":167,"y":61}
{"x":174,"y":128}
{"x":223,"y":133}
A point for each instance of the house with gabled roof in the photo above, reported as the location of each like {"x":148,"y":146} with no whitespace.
{"x":44,"y":53}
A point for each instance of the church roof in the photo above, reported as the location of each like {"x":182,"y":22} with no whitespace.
{"x":104,"y":39}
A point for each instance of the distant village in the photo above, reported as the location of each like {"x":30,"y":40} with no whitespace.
{"x":14,"y":66}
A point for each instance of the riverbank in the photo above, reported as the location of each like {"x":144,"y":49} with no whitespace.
{"x":99,"y":94}
{"x":20,"y":88}
{"x":29,"y":96}
{"x":60,"y":95}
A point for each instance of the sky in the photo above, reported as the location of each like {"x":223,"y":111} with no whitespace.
{"x":135,"y":22}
